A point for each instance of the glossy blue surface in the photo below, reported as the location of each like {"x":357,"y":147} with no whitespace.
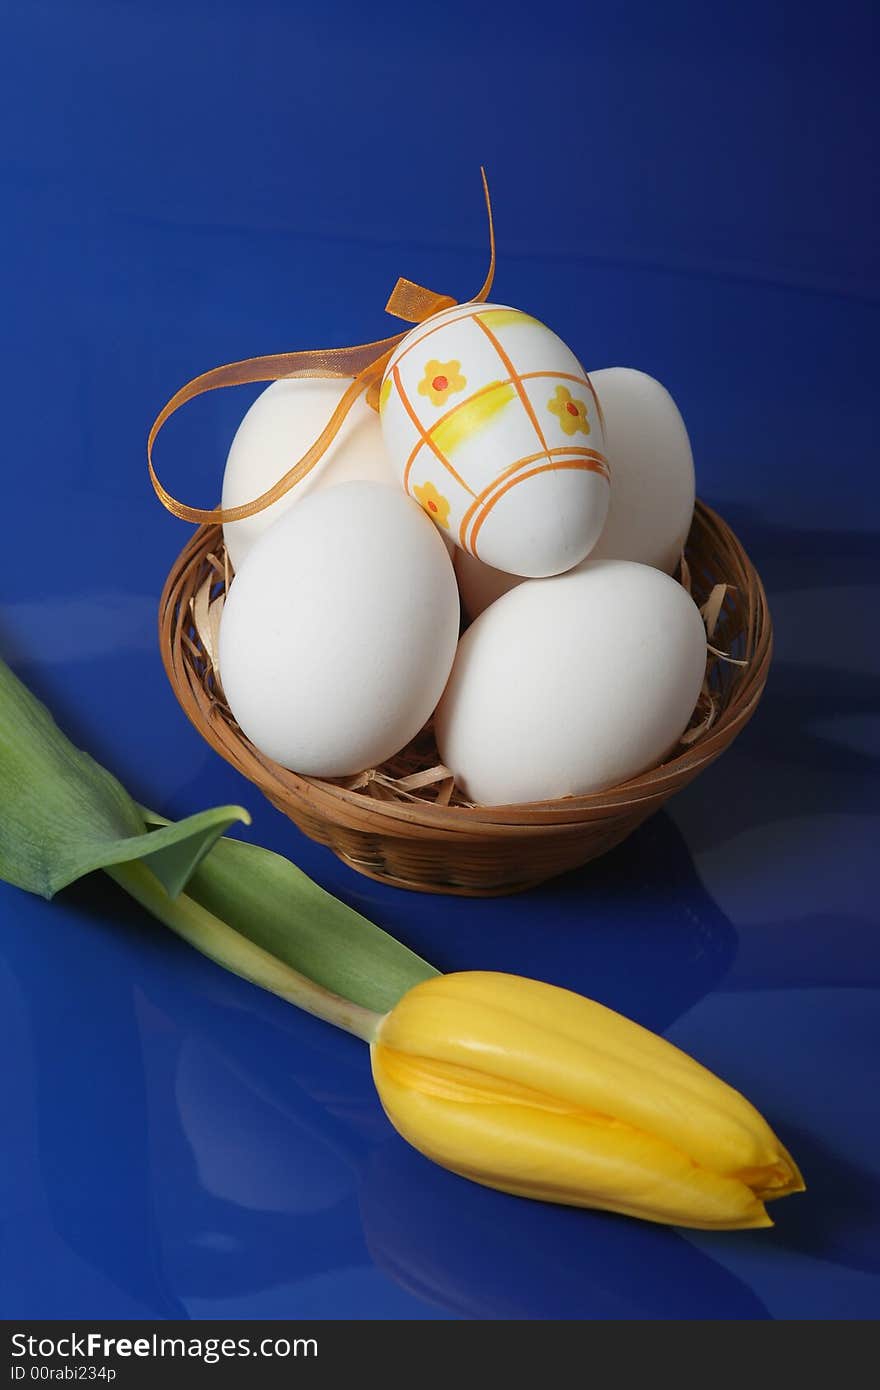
{"x":684,"y":188}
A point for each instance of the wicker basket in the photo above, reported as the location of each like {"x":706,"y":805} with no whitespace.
{"x":416,"y":836}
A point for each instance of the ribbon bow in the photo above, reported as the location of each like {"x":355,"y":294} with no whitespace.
{"x":365,"y":362}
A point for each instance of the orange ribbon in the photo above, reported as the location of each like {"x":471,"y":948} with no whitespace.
{"x":365,"y":362}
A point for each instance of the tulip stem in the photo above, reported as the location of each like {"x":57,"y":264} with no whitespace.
{"x":221,"y":943}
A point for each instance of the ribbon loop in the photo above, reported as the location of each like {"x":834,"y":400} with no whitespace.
{"x":365,"y":362}
{"x":415,"y":303}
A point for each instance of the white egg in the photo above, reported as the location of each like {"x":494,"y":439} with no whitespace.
{"x":339,"y":630}
{"x":479,"y":584}
{"x":570,"y":685}
{"x":652,"y":470}
{"x":652,"y":485}
{"x":282,"y":423}
{"x":492,"y":426}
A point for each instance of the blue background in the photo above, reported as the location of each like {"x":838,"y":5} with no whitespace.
{"x":685,"y":188}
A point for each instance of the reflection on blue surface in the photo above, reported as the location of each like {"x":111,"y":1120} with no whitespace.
{"x":177,"y":1144}
{"x":467,"y":1250}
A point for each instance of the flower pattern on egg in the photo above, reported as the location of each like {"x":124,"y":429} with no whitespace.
{"x":441,"y":380}
{"x":572,"y":413}
{"x":434,"y":503}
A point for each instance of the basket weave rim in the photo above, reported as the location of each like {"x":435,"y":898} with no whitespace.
{"x":477,"y":822}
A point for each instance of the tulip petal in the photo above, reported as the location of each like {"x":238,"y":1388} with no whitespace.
{"x":576,"y":1051}
{"x":570,"y":1158}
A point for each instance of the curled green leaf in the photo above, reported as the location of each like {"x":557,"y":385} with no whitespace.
{"x":62,"y":815}
{"x":279,"y":908}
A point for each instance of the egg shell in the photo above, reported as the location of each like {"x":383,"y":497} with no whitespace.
{"x":652,"y":470}
{"x":480,"y":584}
{"x":493,"y":428}
{"x":283,"y":422}
{"x":570,"y":685}
{"x":339,"y":630}
{"x":652,"y":485}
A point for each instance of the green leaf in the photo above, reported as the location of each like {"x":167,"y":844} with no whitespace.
{"x":235,"y":952}
{"x":271,"y":902}
{"x":175,"y":852}
{"x":62,"y":815}
{"x":275,"y":905}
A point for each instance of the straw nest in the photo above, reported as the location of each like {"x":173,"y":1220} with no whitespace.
{"x":406,"y":823}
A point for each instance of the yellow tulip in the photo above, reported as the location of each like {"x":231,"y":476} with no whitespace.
{"x":540,"y":1092}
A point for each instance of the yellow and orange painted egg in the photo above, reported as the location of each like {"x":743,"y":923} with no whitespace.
{"x":494,"y":428}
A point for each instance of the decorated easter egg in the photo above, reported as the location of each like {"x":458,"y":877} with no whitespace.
{"x":283,"y":422}
{"x":652,"y":485}
{"x":494,"y":429}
